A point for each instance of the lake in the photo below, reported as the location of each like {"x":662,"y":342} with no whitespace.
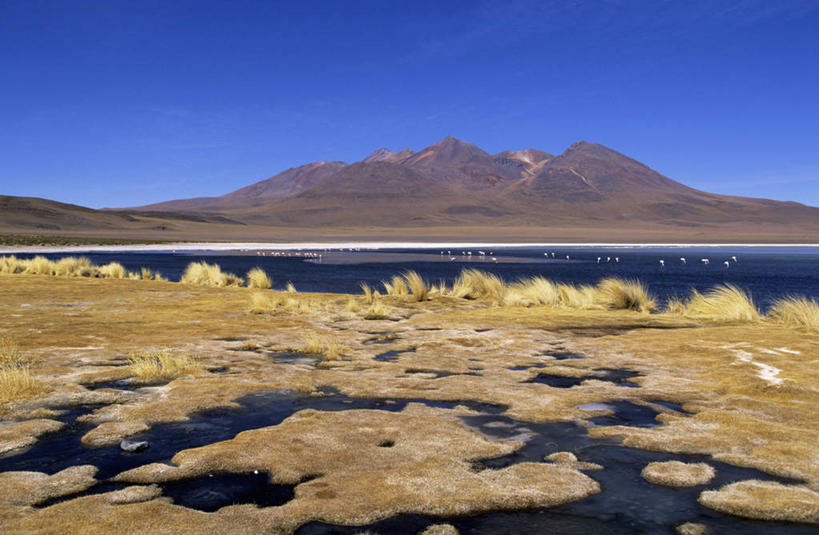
{"x":766,"y":271}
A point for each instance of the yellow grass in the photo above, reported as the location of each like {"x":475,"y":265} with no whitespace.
{"x":315,"y":344}
{"x":257,"y":278}
{"x":39,"y":265}
{"x":799,"y":312}
{"x":476,"y":284}
{"x":261,"y":303}
{"x":114,"y":270}
{"x":16,"y":381}
{"x":71,"y":266}
{"x":418,"y":287}
{"x":369,"y":297}
{"x":10,"y":354}
{"x":289,"y":288}
{"x":148,"y":366}
{"x":620,"y":294}
{"x":397,"y":286}
{"x":726,"y":303}
{"x":532,"y":291}
{"x":204,"y":274}
{"x":572,"y":296}
{"x":377,"y":311}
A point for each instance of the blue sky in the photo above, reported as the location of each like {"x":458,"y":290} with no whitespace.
{"x":121,"y":103}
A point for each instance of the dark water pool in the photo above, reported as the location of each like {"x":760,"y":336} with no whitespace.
{"x":767,"y":272}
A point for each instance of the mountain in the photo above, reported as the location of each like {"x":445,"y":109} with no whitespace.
{"x":454,"y":188}
{"x":281,"y":186}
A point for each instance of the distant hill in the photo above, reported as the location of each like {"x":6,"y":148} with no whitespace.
{"x":449,"y":189}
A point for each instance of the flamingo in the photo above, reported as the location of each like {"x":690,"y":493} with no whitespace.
{"x":567,"y":257}
{"x":553,"y":255}
{"x":494,"y":259}
{"x":608,"y":259}
{"x":451,"y":258}
{"x":598,"y":259}
{"x":727,"y":263}
{"x":617,"y":259}
{"x":705,"y":261}
{"x":734,"y":258}
{"x":682,"y":260}
{"x":662,"y":263}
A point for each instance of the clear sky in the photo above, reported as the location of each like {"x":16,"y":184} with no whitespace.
{"x":121,"y":103}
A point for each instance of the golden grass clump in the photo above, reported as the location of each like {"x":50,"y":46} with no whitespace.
{"x":764,"y":500}
{"x":532,"y":291}
{"x":114,"y":270}
{"x":257,"y":278}
{"x":369,"y":296}
{"x":678,"y":474}
{"x":72,"y":266}
{"x":722,"y":303}
{"x":315,"y":344}
{"x":476,"y":284}
{"x":16,"y":381}
{"x":377,"y":311}
{"x":675,"y":305}
{"x":10,"y":354}
{"x":799,"y":312}
{"x":289,"y":288}
{"x":620,"y":294}
{"x":205,"y":274}
{"x":397,"y":286}
{"x":572,"y":296}
{"x":418,"y":287}
{"x":261,"y":303}
{"x":149,"y":366}
{"x":9,"y":265}
{"x":39,"y":265}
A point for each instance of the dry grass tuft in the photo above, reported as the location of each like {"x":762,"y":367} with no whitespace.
{"x":675,"y":305}
{"x":764,"y":500}
{"x":476,"y":284}
{"x":724,"y":303}
{"x":798,"y":312}
{"x":261,"y":303}
{"x":572,"y":296}
{"x":72,"y":266}
{"x":678,"y":474}
{"x":114,"y":270}
{"x":418,"y":287}
{"x":257,"y":278}
{"x":16,"y":381}
{"x":369,"y":296}
{"x":150,"y":366}
{"x":289,"y":288}
{"x":378,"y":311}
{"x":397,"y":286}
{"x":204,"y":274}
{"x":620,"y":294}
{"x":352,"y":306}
{"x":330,"y":348}
{"x":532,"y":291}
{"x":39,"y":265}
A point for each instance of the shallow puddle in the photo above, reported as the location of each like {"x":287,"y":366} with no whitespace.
{"x":392,"y":356}
{"x":620,"y":377}
{"x":293,"y":357}
{"x":623,"y":413}
{"x":214,"y":491}
{"x":564,"y":355}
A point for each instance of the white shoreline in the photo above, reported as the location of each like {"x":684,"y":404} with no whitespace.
{"x":370,"y":245}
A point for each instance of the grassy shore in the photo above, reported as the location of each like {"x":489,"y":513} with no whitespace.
{"x":35,"y":239}
{"x":749,"y":383}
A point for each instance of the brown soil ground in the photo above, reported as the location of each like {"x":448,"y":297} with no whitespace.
{"x":80,"y":331}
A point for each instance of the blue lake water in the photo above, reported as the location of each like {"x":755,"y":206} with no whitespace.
{"x":767,"y":272}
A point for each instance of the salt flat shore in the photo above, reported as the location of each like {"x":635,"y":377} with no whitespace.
{"x":320,"y":246}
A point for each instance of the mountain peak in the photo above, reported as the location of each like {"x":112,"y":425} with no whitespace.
{"x":448,"y":151}
{"x":386,"y":155}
